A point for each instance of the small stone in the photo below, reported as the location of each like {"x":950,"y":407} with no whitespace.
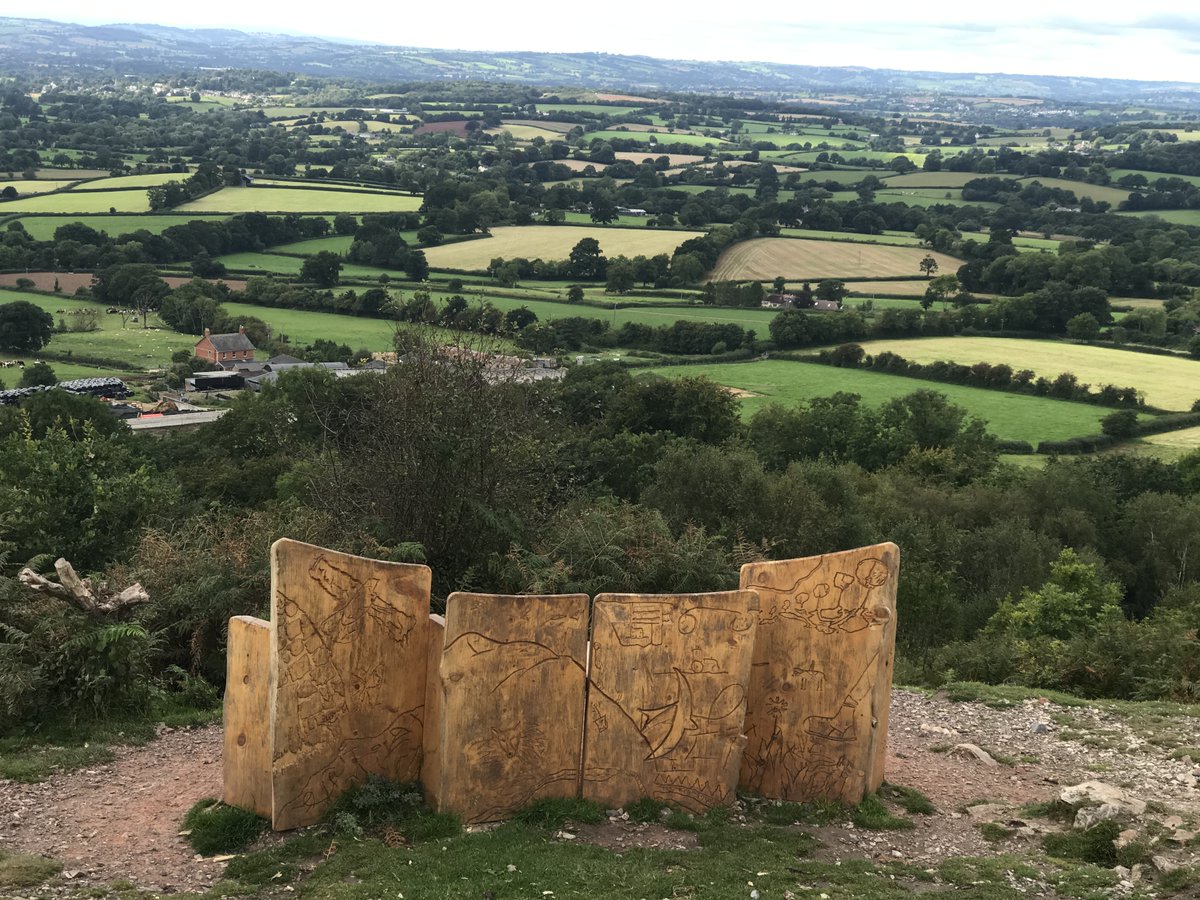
{"x":1126,"y":837}
{"x":1039,"y":728}
{"x":977,"y":752}
{"x":928,"y":728}
{"x":1121,"y":872}
{"x":988,"y":812}
{"x":1138,"y":873}
{"x":565,"y":835}
{"x":1164,"y":865}
{"x":511,"y":867}
{"x":1098,"y":792}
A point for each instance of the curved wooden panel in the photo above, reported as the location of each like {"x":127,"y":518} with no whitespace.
{"x":667,"y":697}
{"x":247,"y":755}
{"x":822,"y":677}
{"x":348,"y":674}
{"x":511,"y":679}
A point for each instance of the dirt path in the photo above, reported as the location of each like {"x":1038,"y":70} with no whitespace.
{"x":120,"y":821}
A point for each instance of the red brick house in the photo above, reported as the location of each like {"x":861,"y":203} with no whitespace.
{"x":226,"y":350}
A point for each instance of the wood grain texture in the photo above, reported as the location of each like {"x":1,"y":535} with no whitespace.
{"x":350,"y":637}
{"x":667,"y":697}
{"x":247,"y":753}
{"x":822,"y":678}
{"x":431,"y":731}
{"x":512,"y":692}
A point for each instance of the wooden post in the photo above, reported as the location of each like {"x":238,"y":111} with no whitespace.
{"x":247,"y":755}
{"x":667,"y":697}
{"x":511,"y":680}
{"x":351,"y":643}
{"x":822,"y":679}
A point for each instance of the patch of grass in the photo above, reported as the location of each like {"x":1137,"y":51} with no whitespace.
{"x":1055,"y":810}
{"x":280,"y":864}
{"x":913,"y":801}
{"x":872,"y":814}
{"x":554,"y":812}
{"x":995,"y":832}
{"x":380,"y":803}
{"x":216,"y":828}
{"x":1002,"y":696}
{"x":1181,"y":752}
{"x":778,"y":812}
{"x":21,"y":761}
{"x":1093,"y":845}
{"x":17,"y":870}
{"x":647,"y":810}
{"x":1084,"y":881}
{"x":990,"y":870}
{"x":1180,"y":880}
{"x":1029,"y":759}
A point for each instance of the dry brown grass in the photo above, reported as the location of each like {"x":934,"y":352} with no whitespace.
{"x":762,"y":259}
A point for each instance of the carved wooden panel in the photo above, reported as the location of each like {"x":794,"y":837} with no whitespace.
{"x":822,"y":678}
{"x":512,"y":691}
{"x":431,"y":756}
{"x":351,"y":646}
{"x":247,"y":756}
{"x":667,"y":697}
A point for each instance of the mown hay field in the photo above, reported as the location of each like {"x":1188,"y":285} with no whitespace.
{"x":1015,"y":417}
{"x":552,"y":242}
{"x":34,"y":186}
{"x":298,"y":200}
{"x":762,"y":259}
{"x":1169,"y":382}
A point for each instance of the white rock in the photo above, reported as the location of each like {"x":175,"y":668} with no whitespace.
{"x":975,"y":751}
{"x":1163,"y":865}
{"x":1094,"y":815}
{"x":927,"y":728}
{"x":1097,"y":792}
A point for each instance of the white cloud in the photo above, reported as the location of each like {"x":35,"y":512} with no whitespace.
{"x":1156,"y":39}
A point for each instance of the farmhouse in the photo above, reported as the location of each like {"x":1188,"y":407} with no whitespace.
{"x":226,"y":350}
{"x":779,"y":301}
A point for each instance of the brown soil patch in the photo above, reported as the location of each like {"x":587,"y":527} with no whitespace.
{"x":458,"y":127}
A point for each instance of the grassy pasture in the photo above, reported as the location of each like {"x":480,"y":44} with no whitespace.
{"x":1082,"y":189}
{"x":841,"y":176}
{"x":697,"y":140}
{"x":70,"y":174}
{"x":42,"y":228}
{"x":132,"y":181}
{"x":146,"y":347}
{"x":1176,"y":216}
{"x":552,"y":242}
{"x":1169,"y":382}
{"x":1152,"y":176}
{"x":936,"y":179}
{"x":1184,"y":441}
{"x":339,"y":243}
{"x":1009,"y":416}
{"x":34,"y":186}
{"x":763,"y":259}
{"x":914,"y":198}
{"x":299,"y":200}
{"x":81,"y":202}
{"x":591,"y":108}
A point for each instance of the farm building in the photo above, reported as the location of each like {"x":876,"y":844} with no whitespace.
{"x":226,"y":350}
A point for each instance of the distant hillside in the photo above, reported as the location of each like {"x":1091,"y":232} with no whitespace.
{"x":33,"y":44}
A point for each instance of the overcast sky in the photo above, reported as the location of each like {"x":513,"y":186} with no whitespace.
{"x":1151,"y":39}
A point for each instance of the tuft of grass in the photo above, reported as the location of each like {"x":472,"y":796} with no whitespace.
{"x":1180,"y":880}
{"x":873,"y":815}
{"x":1002,"y":696}
{"x":216,"y":828}
{"x":647,"y":810}
{"x":18,"y":870}
{"x":913,"y":801}
{"x":280,"y":864}
{"x":995,"y":832}
{"x":1095,"y":845}
{"x":968,"y":871}
{"x":782,"y":812}
{"x":554,"y":812}
{"x":1181,"y":752}
{"x":1055,"y":810}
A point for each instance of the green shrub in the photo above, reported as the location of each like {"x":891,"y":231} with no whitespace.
{"x":216,"y":828}
{"x":873,"y":815}
{"x":1094,"y":845}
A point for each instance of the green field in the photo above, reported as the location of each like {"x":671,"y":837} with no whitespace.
{"x":841,"y":176}
{"x":34,"y":186}
{"x":1013,"y":417}
{"x":297,"y":200}
{"x":80,"y":202}
{"x":339,"y":243}
{"x":1177,"y":216}
{"x":1168,"y":382}
{"x":936,"y":179}
{"x":1083,"y":189}
{"x":695,"y":140}
{"x":924,"y":199}
{"x":42,"y":228}
{"x":1153,"y":176}
{"x":132,"y":181}
{"x":146,"y":347}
